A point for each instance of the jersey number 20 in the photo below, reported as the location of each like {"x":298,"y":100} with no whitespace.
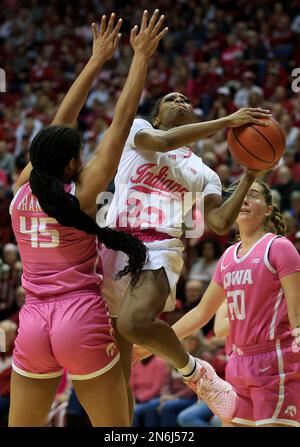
{"x":236,"y":307}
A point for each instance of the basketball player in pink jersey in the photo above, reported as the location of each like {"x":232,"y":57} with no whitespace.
{"x":64,"y":322}
{"x":260,"y":278}
{"x":155,"y":167}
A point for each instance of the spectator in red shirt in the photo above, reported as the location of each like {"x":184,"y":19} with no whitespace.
{"x":147,"y":379}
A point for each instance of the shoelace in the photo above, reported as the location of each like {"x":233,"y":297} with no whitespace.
{"x":210,"y":397}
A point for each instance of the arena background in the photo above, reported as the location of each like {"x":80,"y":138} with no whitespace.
{"x":222,"y":54}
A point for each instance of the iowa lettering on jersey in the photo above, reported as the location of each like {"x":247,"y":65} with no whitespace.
{"x":240,"y":277}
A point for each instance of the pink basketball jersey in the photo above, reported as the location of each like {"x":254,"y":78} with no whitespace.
{"x":56,"y":259}
{"x":257,"y":307}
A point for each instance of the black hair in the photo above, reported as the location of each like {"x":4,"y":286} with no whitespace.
{"x":50,"y":152}
{"x":155,"y":111}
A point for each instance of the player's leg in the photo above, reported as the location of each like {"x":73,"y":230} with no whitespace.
{"x":104,"y":398}
{"x":30,"y":400}
{"x":125,"y":348}
{"x":276,"y":394}
{"x":83,"y":341}
{"x":137,"y":320}
{"x":36,"y":373}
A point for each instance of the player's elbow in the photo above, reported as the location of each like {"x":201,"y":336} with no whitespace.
{"x":217,"y":222}
{"x":158,"y":143}
{"x":220,"y":228}
{"x":221,"y":331}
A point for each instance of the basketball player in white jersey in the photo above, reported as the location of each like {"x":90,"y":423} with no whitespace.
{"x":156,"y":164}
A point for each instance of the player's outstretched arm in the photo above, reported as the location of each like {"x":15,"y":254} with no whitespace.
{"x":100,"y":170}
{"x":105,"y":43}
{"x":167,"y":140}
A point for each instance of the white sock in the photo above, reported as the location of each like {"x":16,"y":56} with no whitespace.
{"x":190,"y":369}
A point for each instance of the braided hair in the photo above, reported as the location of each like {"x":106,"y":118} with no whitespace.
{"x":50,"y":152}
{"x":273,"y":223}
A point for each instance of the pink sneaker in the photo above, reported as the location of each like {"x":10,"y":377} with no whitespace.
{"x":215,"y":392}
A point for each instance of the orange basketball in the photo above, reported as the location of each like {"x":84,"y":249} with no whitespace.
{"x":257,"y":147}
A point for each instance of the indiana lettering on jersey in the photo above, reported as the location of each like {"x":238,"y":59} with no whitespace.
{"x":31,"y":204}
{"x":239,"y":277}
{"x":159,"y":181}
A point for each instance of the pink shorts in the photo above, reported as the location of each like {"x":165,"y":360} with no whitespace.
{"x":267,"y":384}
{"x":72,"y":333}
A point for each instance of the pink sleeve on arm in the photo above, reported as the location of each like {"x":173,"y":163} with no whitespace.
{"x":217,"y":277}
{"x":284,"y":257}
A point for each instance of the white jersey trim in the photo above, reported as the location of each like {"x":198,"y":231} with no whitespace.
{"x":277,"y":421}
{"x":266,"y":256}
{"x":251,"y":423}
{"x":73,"y":188}
{"x":276,"y":308}
{"x":281,"y":381}
{"x":241,"y":421}
{"x":96,"y":373}
{"x":238,"y":260}
{"x":36,"y":375}
{"x":15,"y":198}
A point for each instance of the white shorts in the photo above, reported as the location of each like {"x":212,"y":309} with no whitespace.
{"x":166,"y":253}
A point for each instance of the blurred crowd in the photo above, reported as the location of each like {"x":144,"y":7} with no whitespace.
{"x":223,"y":55}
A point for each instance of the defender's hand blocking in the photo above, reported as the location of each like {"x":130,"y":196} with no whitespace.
{"x":146,"y":41}
{"x":105,"y":41}
{"x":249,"y":115}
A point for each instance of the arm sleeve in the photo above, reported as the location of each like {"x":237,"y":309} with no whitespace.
{"x":284,"y":257}
{"x":211,"y":183}
{"x":138,"y":125}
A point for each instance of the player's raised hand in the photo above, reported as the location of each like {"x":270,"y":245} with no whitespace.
{"x":261,"y":172}
{"x":248,"y":115}
{"x":106,"y":40}
{"x":145,"y":41}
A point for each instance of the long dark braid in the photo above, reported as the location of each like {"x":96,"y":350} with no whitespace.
{"x":50,"y":152}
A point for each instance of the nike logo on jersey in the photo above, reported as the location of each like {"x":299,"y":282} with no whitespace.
{"x":224,"y":267}
{"x":255,"y":261}
{"x":264,"y":369}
